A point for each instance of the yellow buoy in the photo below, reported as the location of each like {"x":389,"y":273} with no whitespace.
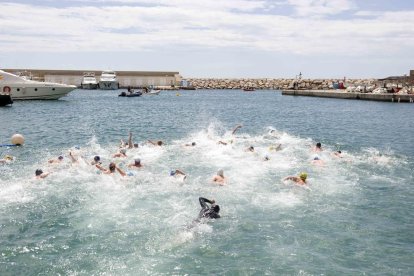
{"x":17,"y":139}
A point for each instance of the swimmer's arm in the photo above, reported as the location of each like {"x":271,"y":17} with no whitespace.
{"x":130,"y":145}
{"x":179,"y":172}
{"x":121,"y":172}
{"x":236,"y":128}
{"x":72,"y":157}
{"x":203,"y":201}
{"x":100,"y":167}
{"x":293,"y":178}
{"x":151,"y":142}
{"x":223,"y":143}
{"x":43,"y":175}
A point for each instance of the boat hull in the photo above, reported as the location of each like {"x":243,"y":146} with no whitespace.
{"x":40,"y":93}
{"x":89,"y":86}
{"x":108,"y":85}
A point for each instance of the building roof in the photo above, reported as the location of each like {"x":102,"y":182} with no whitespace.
{"x":42,"y":72}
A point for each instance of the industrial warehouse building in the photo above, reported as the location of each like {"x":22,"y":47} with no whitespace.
{"x":125,"y":78}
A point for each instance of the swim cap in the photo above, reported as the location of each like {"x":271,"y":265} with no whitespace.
{"x":216,"y":208}
{"x":316,"y":158}
{"x":220,"y":172}
{"x":303,"y":176}
{"x":172,"y":173}
{"x":97,"y":158}
{"x":137,"y":160}
{"x":193,"y":143}
{"x":60,"y":157}
{"x":38,"y":172}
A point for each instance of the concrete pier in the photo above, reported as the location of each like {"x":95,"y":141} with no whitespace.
{"x":351,"y":95}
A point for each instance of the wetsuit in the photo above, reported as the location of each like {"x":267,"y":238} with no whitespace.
{"x":206,"y":211}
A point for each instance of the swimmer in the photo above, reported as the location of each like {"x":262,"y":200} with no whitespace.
{"x":301,"y":179}
{"x":338,"y":154}
{"x":130,"y":144}
{"x":318,"y":147}
{"x":72,"y":157}
{"x":136,"y":164}
{"x":222,"y":143}
{"x":177,"y":173}
{"x":236,"y":128}
{"x":156,"y":143}
{"x":317,"y":161}
{"x":190,"y":145}
{"x":96,"y":160}
{"x":39,"y":174}
{"x":6,"y":159}
{"x":266,"y":158}
{"x":211,"y":212}
{"x":111,"y":169}
{"x":57,"y":160}
{"x":120,"y":154}
{"x":251,"y":149}
{"x":219,"y":178}
{"x":276,"y":147}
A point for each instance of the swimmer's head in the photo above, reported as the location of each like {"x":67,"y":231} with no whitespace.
{"x":318,"y":145}
{"x":193,"y":143}
{"x":220,"y":173}
{"x":216,"y":208}
{"x":38,"y":172}
{"x":172,"y":173}
{"x":137,"y":161}
{"x":8,"y":157}
{"x":97,"y":158}
{"x":112,"y":166}
{"x":339,"y":151}
{"x":136,"y":145}
{"x":303,"y":176}
{"x":316,"y":158}
{"x":159,"y":143}
{"x":266,"y":158}
{"x":123,"y":151}
{"x":251,"y":148}
{"x":60,"y":157}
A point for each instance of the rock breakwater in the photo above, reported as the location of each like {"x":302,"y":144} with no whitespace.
{"x":279,"y":84}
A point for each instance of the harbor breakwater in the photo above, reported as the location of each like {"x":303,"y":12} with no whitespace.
{"x":270,"y":83}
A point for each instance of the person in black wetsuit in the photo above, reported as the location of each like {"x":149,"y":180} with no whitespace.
{"x":208,"y":211}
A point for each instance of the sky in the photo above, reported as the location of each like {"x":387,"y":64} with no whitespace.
{"x":212,"y":38}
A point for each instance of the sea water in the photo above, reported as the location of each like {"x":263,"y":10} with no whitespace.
{"x":354,"y":217}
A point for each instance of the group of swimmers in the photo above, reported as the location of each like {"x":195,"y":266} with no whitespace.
{"x":219,"y":178}
{"x":207,"y":211}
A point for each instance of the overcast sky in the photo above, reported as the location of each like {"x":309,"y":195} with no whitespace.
{"x":212,"y":38}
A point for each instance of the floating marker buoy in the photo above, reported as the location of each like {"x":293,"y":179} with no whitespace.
{"x":17,"y":139}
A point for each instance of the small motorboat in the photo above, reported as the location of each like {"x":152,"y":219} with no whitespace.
{"x":249,"y":89}
{"x":134,"y":94}
{"x":5,"y":100}
{"x":154,"y":92}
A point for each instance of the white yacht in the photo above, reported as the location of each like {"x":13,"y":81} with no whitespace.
{"x":21,"y":88}
{"x":108,"y":81}
{"x":89,"y":81}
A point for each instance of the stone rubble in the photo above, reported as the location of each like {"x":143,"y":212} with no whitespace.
{"x":279,"y":84}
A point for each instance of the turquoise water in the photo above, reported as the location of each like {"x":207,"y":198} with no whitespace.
{"x":355,"y":217}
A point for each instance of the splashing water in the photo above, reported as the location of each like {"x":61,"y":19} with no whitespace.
{"x":81,"y":221}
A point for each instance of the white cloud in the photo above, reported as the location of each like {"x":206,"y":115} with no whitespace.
{"x":320,"y":7}
{"x":213,"y":24}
